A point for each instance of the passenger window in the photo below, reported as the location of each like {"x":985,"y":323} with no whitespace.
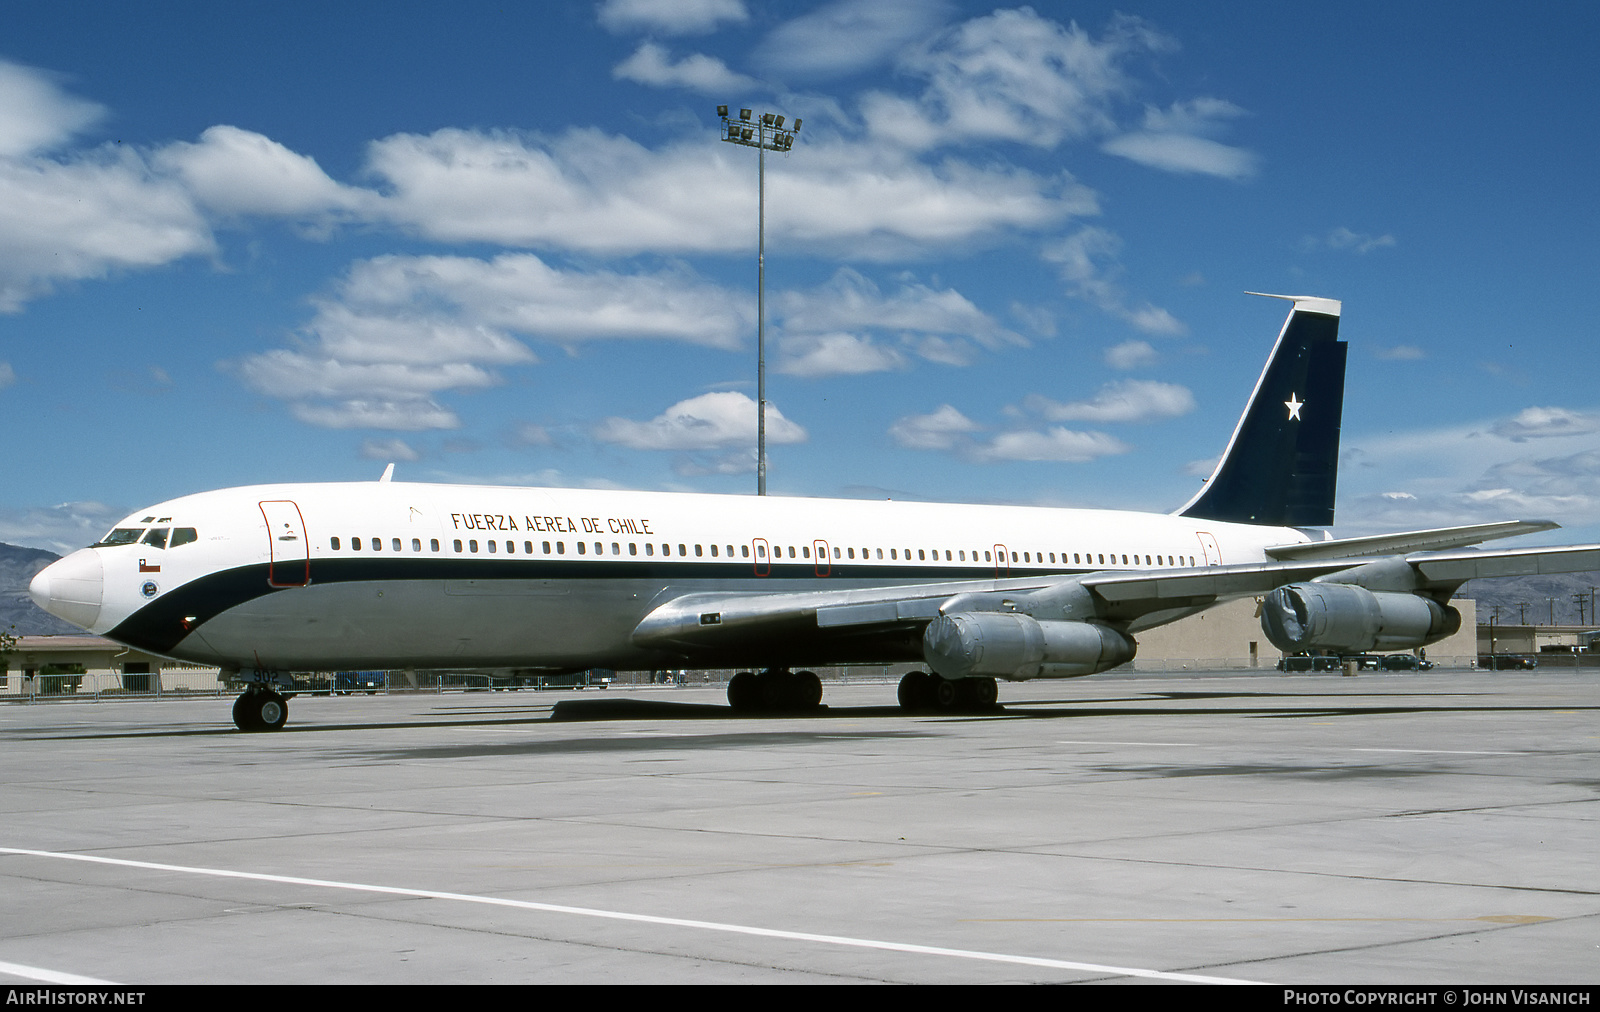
{"x":892,"y":554}
{"x":633,"y":548}
{"x":527,"y":548}
{"x":492,"y":548}
{"x":713,"y":551}
{"x":416,"y":544}
{"x":806,"y":551}
{"x":472,"y":545}
{"x":561,"y":548}
{"x":333,"y":543}
{"x":377,"y":544}
{"x":649,"y":549}
{"x":744,"y":550}
{"x":683,"y":550}
{"x":433,"y":544}
{"x":616,"y":549}
{"x":547,"y":548}
{"x":582,"y":548}
{"x":457,"y":544}
{"x":182,"y":536}
{"x":698,"y":552}
{"x":396,"y":545}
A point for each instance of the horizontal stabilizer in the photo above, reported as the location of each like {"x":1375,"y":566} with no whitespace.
{"x":1434,"y":540}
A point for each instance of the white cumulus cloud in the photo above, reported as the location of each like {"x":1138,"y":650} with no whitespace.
{"x":1056,"y":444}
{"x":716,"y":430}
{"x":1124,"y":401}
{"x":846,"y":36}
{"x":1177,"y":139}
{"x":236,"y":171}
{"x":670,"y":17}
{"x":943,"y":429}
{"x":651,"y":65}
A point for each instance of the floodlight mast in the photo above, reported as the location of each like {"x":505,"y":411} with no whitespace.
{"x":765,"y":132}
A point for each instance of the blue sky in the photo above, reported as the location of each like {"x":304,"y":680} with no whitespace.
{"x":1006,"y":257}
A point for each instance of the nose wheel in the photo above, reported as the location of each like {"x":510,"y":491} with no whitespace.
{"x":260,"y":710}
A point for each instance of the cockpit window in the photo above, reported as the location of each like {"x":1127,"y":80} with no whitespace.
{"x":157,"y":537}
{"x":182,"y":536}
{"x":120,"y":536}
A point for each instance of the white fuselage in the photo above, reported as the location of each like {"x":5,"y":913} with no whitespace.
{"x":394,"y":575}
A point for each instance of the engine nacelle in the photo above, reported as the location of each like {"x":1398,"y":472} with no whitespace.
{"x":1348,"y":619}
{"x":988,"y":644}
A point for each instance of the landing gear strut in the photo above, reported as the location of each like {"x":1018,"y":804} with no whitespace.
{"x":775,"y":690}
{"x":924,"y":691}
{"x":260,"y":710}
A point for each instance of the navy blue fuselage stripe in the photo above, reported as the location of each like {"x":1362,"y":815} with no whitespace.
{"x":164,"y":622}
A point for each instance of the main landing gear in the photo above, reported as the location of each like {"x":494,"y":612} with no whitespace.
{"x":926,"y":692}
{"x":775,"y":690}
{"x":260,"y":709}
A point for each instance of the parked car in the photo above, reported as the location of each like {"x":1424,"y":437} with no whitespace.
{"x":1507,"y":662}
{"x":1307,"y":662}
{"x":1404,"y":662}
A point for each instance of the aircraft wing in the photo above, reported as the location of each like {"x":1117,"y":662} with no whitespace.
{"x":715,"y":622}
{"x":708,"y":624}
{"x":1437,"y":539}
{"x":1446,"y":568}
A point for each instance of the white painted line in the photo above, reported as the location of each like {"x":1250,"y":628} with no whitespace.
{"x":616,"y":915}
{"x":47,"y":976}
{"x":1432,"y":751}
{"x":1164,"y":744}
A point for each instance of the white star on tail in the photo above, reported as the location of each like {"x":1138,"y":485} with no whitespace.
{"x":1294,"y":407}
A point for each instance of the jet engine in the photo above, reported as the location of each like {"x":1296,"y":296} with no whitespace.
{"x":1349,"y":619}
{"x":986,"y":644}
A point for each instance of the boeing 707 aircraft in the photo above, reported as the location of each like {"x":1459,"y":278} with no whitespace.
{"x":270,"y":579}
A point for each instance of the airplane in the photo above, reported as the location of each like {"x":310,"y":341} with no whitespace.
{"x":269,"y":579}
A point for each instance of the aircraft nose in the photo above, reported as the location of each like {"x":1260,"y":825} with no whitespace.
{"x":72,"y":588}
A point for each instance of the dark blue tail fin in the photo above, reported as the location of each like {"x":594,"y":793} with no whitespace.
{"x":1281,"y":467}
